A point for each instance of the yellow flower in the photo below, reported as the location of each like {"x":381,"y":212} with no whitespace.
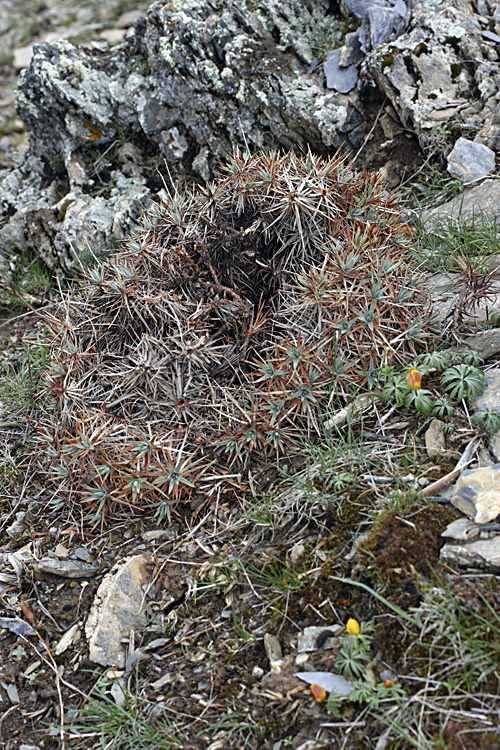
{"x":413,"y":379}
{"x":352,"y":626}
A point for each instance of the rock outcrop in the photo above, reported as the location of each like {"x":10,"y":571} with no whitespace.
{"x":192,"y":80}
{"x":445,"y":70}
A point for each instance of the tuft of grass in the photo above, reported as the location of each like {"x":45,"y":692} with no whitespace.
{"x":137,"y":724}
{"x":21,"y":383}
{"x":31,"y":283}
{"x":441,"y":242}
{"x":435,"y":186}
{"x":451,"y":670}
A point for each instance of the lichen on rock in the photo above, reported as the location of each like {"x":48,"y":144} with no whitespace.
{"x":190,"y":83}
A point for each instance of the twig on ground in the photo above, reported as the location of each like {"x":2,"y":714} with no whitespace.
{"x":370,"y":132}
{"x":7,"y":713}
{"x":51,"y":663}
{"x":359,"y":405}
{"x":440,"y":484}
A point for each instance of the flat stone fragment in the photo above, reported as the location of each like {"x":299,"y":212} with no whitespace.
{"x":386,"y":23}
{"x":273,"y":648}
{"x":351,"y":53}
{"x":491,"y":36}
{"x":434,"y":439}
{"x":381,"y":20}
{"x":67,"y":568}
{"x":69,"y":638}
{"x":479,"y":488}
{"x":308,"y":639}
{"x":469,"y":161}
{"x":490,"y":397}
{"x":494,"y":445}
{"x":327,"y":680}
{"x":483,"y":199}
{"x":116,"y":610}
{"x":445,"y":295}
{"x":485,"y":343}
{"x":462,"y":504}
{"x":13,"y":694}
{"x":482,"y":553}
{"x":80,"y":553}
{"x":462,"y":530}
{"x":117,"y":694}
{"x":341,"y":79}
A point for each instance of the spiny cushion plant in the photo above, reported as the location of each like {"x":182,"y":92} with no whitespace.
{"x":218,"y":337}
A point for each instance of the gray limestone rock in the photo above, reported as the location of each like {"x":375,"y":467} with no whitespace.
{"x":494,"y":445}
{"x":116,"y":610}
{"x":442,"y":67}
{"x":491,"y":36}
{"x":74,"y":569}
{"x":380,"y":20}
{"x":342,"y":79}
{"x":490,"y":399}
{"x":187,"y":85}
{"x":477,"y":494}
{"x":445,"y":289}
{"x":469,"y":161}
{"x":481,"y":553}
{"x":485,"y":343}
{"x":351,"y":53}
{"x":473,"y":203}
{"x":461,"y":530}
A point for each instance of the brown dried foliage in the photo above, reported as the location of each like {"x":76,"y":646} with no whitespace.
{"x":220,"y":335}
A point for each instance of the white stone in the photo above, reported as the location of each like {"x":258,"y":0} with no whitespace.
{"x":69,"y":638}
{"x":113,"y":36}
{"x":477,"y":493}
{"x":482,"y":553}
{"x":434,"y":439}
{"x":462,"y":530}
{"x":116,"y":610}
{"x":22,"y":57}
{"x":128,"y":19}
{"x":469,"y":161}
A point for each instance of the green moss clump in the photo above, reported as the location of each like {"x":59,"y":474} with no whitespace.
{"x":400,"y":552}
